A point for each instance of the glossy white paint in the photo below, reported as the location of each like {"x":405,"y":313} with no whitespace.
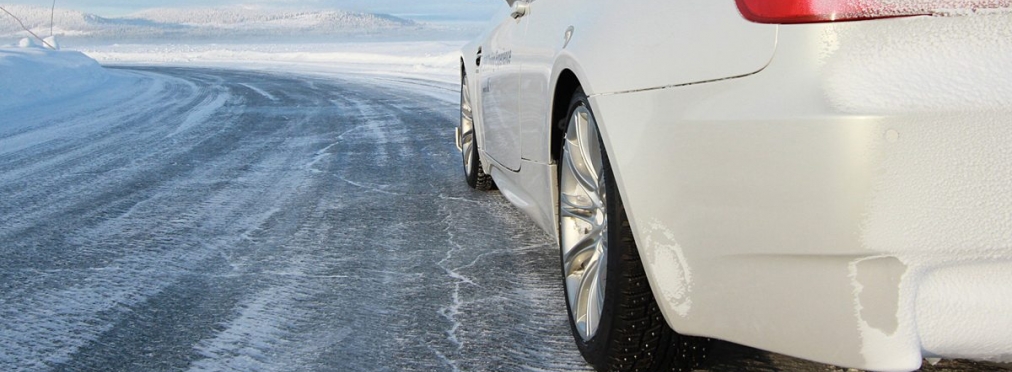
{"x":532,"y":176}
{"x":535,"y":52}
{"x":644,"y":44}
{"x":810,"y":216}
{"x":619,"y":45}
{"x":498,"y":84}
{"x":844,"y":199}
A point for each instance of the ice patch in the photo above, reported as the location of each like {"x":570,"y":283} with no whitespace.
{"x":451,"y":311}
{"x":48,"y":327}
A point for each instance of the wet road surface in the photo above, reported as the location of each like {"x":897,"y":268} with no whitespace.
{"x":207,"y":219}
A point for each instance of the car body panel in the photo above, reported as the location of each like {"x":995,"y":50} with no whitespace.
{"x":546,"y":54}
{"x":637,"y":45}
{"x":532,"y":176}
{"x":838,"y":191}
{"x":535,"y":52}
{"x":499,"y":87}
{"x":810,"y":219}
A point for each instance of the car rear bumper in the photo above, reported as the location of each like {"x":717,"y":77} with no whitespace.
{"x":850,"y":204}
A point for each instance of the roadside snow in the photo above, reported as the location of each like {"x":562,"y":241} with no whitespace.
{"x":428,"y":60}
{"x":200,"y":24}
{"x":31,"y":75}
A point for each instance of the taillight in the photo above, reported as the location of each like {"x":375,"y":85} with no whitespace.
{"x":809,"y":11}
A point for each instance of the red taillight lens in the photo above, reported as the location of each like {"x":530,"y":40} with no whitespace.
{"x":808,"y":11}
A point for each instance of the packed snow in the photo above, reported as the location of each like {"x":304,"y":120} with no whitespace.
{"x":34,"y":74}
{"x":434,"y":60}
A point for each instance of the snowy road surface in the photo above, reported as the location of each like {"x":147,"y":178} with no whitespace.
{"x":203,"y":219}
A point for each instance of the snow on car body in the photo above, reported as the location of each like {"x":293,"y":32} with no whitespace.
{"x":835,"y":190}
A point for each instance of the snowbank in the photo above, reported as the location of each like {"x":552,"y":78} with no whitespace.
{"x":430,"y":60}
{"x":32,"y":75}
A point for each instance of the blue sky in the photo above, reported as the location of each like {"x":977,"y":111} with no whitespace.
{"x":479,"y":10}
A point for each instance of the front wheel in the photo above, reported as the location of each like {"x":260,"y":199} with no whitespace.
{"x":473,"y":172}
{"x":612,"y":311}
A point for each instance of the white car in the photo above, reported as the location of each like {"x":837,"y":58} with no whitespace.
{"x":826,"y":179}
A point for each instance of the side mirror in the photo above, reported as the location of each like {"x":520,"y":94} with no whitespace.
{"x":519,"y":7}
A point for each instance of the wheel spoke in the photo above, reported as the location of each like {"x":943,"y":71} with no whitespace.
{"x":578,"y":168}
{"x":467,"y":146}
{"x":583,"y":222}
{"x":576,"y":258}
{"x":589,"y":297}
{"x":589,"y":214}
{"x":465,"y":108}
{"x":590,"y":145}
{"x":466,"y":128}
{"x":581,"y":175}
{"x":465,"y":101}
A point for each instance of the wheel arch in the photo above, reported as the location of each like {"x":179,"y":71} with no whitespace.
{"x":469,"y":68}
{"x":566,"y":84}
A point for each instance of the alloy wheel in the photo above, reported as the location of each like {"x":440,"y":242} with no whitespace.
{"x":583,"y":222}
{"x":467,"y":129}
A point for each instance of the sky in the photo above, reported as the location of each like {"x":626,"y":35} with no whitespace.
{"x":477,"y":10}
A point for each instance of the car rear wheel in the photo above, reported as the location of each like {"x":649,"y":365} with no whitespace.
{"x":612,"y":311}
{"x":473,"y":172}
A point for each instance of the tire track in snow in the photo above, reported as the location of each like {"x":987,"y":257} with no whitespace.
{"x":152,"y":259}
{"x":201,"y":113}
{"x":260,"y":92}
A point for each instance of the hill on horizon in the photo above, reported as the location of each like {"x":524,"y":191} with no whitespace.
{"x":222,"y":23}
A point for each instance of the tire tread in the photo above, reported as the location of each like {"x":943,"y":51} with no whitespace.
{"x":635,"y":336}
{"x":642,"y":340}
{"x":482,"y":181}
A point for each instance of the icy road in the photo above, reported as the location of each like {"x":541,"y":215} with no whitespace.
{"x":202,"y":219}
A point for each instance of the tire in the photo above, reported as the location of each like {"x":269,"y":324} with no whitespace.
{"x":613,"y":314}
{"x":473,"y":171}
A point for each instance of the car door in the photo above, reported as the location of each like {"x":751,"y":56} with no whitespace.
{"x":545,"y":28}
{"x":500,"y":96}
